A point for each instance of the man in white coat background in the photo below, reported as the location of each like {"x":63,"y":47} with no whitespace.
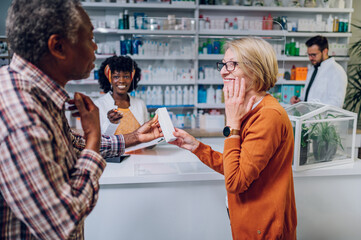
{"x":326,"y":79}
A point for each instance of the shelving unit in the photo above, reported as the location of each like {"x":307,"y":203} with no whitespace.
{"x":4,"y":53}
{"x":108,"y":13}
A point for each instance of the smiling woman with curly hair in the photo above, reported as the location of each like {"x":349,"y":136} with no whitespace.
{"x":119,"y":112}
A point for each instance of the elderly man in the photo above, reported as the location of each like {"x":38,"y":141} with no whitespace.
{"x":326,"y":79}
{"x":49,"y":176}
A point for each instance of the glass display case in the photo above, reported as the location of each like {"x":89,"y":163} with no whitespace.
{"x":324,"y":135}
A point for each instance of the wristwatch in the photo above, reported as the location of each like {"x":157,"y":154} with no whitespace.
{"x":227,"y":131}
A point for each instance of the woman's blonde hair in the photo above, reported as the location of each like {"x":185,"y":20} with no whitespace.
{"x":257,"y":60}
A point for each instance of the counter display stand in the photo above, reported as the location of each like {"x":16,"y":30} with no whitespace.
{"x":324,"y":135}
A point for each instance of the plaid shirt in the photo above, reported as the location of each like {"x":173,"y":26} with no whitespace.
{"x":48,"y":182}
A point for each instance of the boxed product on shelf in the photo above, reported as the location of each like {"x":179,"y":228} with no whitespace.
{"x":324,"y":135}
{"x":211,"y":121}
{"x":301,"y":73}
{"x":288,"y":91}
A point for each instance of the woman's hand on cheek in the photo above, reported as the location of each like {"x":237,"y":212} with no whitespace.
{"x":235,"y":100}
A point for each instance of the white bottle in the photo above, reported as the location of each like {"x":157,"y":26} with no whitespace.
{"x":185,"y":95}
{"x":143,"y":94}
{"x":179,"y":95}
{"x":219,"y":93}
{"x":329,"y":25}
{"x":173,"y":96}
{"x":167,"y":96}
{"x":210,"y":95}
{"x":154,"y":96}
{"x":191,"y":95}
{"x":341,"y":4}
{"x":149,"y":95}
{"x":159,"y":95}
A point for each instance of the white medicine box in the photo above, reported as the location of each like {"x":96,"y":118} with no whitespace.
{"x":324,"y":135}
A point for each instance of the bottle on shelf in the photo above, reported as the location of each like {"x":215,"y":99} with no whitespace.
{"x":149,"y":95}
{"x":191,"y":95}
{"x":201,"y":22}
{"x":185,"y":95}
{"x":235,"y":24}
{"x":335,"y":24}
{"x":120,"y":21}
{"x":154,"y":96}
{"x":123,"y":46}
{"x":159,"y":96}
{"x":210,"y":95}
{"x":269,"y":22}
{"x":125,"y":19}
{"x":226,"y":24}
{"x":173,"y":96}
{"x":219,"y":94}
{"x":179,"y":96}
{"x":297,"y":49}
{"x":293,"y":73}
{"x":329,"y":25}
{"x":167,"y":100}
{"x":207,"y":24}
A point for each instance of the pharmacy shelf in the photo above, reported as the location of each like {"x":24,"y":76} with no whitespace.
{"x":83,"y":82}
{"x":210,"y":106}
{"x":143,"y":83}
{"x":272,"y":33}
{"x":152,"y":58}
{"x":290,"y":82}
{"x":219,"y":32}
{"x":100,"y":5}
{"x":170,"y":106}
{"x":274,"y":9}
{"x":210,"y":82}
{"x":107,"y":11}
{"x":4,"y":55}
{"x":325,"y":34}
{"x":210,"y":57}
{"x":110,"y":31}
{"x":279,"y":58}
{"x":306,"y":59}
{"x":162,"y":57}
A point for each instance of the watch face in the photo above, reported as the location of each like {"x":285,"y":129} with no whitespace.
{"x":226,"y":131}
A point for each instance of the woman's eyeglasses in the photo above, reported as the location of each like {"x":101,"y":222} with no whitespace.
{"x":230,"y":66}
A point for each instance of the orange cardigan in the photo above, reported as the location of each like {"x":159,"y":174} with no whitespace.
{"x":258,"y":174}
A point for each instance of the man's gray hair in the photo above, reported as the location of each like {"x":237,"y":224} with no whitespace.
{"x":29,"y":25}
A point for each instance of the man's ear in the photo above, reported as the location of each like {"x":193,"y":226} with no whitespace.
{"x":325,"y":51}
{"x":57,"y":47}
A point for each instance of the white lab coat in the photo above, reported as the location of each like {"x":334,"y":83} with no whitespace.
{"x":106,"y":103}
{"x":329,"y":86}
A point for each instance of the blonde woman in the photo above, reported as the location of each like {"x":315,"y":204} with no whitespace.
{"x":258,"y":149}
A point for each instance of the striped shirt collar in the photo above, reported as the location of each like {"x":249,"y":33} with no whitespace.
{"x":52,"y":89}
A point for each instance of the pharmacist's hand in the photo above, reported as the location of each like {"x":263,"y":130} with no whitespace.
{"x":89,"y":116}
{"x":185,"y":140}
{"x":145,"y":133}
{"x":114,"y":116}
{"x":294,"y":100}
{"x":236,"y":106}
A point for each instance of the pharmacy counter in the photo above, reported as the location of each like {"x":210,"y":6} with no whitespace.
{"x":167,"y":193}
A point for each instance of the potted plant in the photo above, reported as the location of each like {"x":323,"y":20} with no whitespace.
{"x":353,"y":95}
{"x":325,"y":140}
{"x":304,"y":145}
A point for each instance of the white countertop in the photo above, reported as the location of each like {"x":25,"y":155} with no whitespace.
{"x":168,"y":163}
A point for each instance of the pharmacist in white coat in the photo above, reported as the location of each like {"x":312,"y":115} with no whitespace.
{"x":326,"y":79}
{"x":119,"y":112}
